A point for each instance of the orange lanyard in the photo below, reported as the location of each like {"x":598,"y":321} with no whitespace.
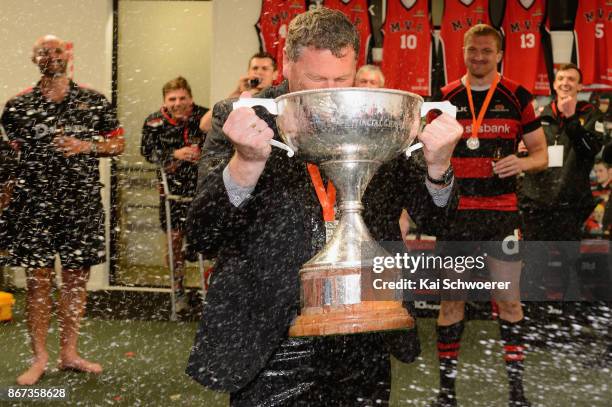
{"x":476,"y":122}
{"x":327,"y":198}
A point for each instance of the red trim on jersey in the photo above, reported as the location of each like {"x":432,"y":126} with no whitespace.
{"x":168,"y":117}
{"x":528,"y":115}
{"x":114,"y":133}
{"x":448,"y":355}
{"x":175,"y":123}
{"x":25,"y":91}
{"x":514,"y":358}
{"x":504,"y":203}
{"x":15,"y":145}
{"x":477,"y":167}
{"x":446,"y":346}
{"x":514,"y":348}
{"x":509,"y":89}
{"x":453,"y":87}
{"x":85,"y":86}
{"x":595,"y":246}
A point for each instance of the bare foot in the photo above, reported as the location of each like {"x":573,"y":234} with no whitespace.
{"x":34,"y":373}
{"x":79,"y":364}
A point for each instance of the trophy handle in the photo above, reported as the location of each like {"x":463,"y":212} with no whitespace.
{"x":271,"y":106}
{"x":445,"y":107}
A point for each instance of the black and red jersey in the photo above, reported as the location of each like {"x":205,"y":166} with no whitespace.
{"x":592,"y":28}
{"x":510,"y":115}
{"x":407,"y":46}
{"x":272,"y":27}
{"x":458,"y":17}
{"x":525,"y":46}
{"x":162,"y":135}
{"x":357,"y":11}
{"x":32,"y":121}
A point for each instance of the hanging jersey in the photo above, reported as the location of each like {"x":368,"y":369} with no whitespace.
{"x":407,"y":46}
{"x":357,"y":11}
{"x":593,"y":41}
{"x":458,"y":16}
{"x":272,"y":27}
{"x":510,"y":115}
{"x":523,"y":26}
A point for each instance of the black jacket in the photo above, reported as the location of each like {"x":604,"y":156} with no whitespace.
{"x":566,"y":187}
{"x":260,"y":246}
{"x":8,"y":161}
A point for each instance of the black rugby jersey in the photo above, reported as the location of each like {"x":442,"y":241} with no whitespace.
{"x":161,"y":135}
{"x":510,"y":115}
{"x":32,"y":122}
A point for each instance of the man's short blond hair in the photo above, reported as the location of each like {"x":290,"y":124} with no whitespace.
{"x":322,"y":29}
{"x":374,"y":69}
{"x":483,"y":30}
{"x":176,"y":84}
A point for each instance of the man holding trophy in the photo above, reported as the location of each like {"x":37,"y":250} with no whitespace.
{"x":260,"y":213}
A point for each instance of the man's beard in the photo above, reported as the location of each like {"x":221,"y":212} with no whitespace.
{"x":50,"y":71}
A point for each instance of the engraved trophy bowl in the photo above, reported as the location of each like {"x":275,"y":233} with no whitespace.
{"x":348,"y":133}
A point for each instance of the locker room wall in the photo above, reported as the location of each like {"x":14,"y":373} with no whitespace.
{"x":159,"y":40}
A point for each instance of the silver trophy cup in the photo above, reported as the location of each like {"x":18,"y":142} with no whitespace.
{"x":348,"y":133}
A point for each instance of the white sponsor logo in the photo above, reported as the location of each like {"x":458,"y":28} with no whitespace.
{"x":490,"y":128}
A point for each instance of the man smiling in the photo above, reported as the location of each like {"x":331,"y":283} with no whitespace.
{"x":496,"y":113}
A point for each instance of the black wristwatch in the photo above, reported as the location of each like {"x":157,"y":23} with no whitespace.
{"x":446,"y":178}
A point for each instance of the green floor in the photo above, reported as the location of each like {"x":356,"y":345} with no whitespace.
{"x":144,"y":363}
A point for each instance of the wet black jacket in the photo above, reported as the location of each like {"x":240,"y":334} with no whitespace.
{"x":566,"y":187}
{"x":8,"y":161}
{"x":260,"y":246}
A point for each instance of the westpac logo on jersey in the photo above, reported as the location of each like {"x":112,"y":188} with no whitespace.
{"x":490,"y":128}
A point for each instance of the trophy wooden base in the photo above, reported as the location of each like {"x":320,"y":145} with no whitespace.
{"x":366,"y":316}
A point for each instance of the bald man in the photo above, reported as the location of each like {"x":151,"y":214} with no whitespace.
{"x":61,"y":130}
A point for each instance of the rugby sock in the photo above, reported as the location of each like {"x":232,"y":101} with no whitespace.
{"x":449,"y":339}
{"x":513,"y":341}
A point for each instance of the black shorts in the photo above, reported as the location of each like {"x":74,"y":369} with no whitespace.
{"x":491,"y":232}
{"x":40,"y":229}
{"x":178,"y":214}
